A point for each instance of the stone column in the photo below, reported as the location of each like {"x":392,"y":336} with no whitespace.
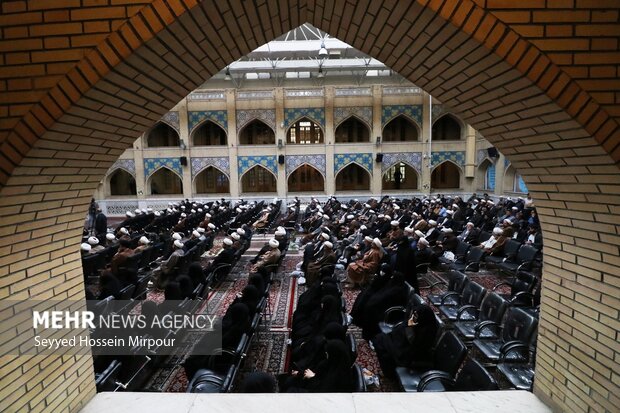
{"x":233,"y":143}
{"x":280,"y":136}
{"x":469,"y":183}
{"x":377,"y":107}
{"x":188,"y":191}
{"x":330,"y":141}
{"x":499,"y":175}
{"x":138,"y":159}
{"x":425,"y":187}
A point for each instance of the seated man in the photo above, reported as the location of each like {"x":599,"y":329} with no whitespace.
{"x":270,"y":257}
{"x":314,"y":268}
{"x":360,"y":271}
{"x":164,"y":272}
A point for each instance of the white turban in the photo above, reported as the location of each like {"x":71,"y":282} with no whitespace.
{"x":446,"y":230}
{"x":423,"y":241}
{"x":196,"y":234}
{"x":149,"y":210}
{"x":350,"y":216}
{"x":235,"y":236}
{"x":325,"y":236}
{"x":394,"y":223}
{"x":363,"y":227}
{"x":470,"y":223}
{"x":450,"y":212}
{"x":201,"y":230}
{"x":367,"y":238}
{"x":240,"y":231}
{"x":199,"y":209}
{"x":409,"y":230}
{"x":279,"y":233}
{"x":144,"y":241}
{"x":177,"y":236}
{"x":129,"y":214}
{"x":157,"y":213}
{"x":380,"y":216}
{"x":183,"y":215}
{"x":281,"y":229}
{"x":193,"y":211}
{"x":85,"y":247}
{"x":419,"y":233}
{"x":273,"y":243}
{"x":211,"y":225}
{"x":228,"y":241}
{"x":515,"y":208}
{"x":497,"y":231}
{"x":396,"y":207}
{"x":328,"y":244}
{"x":432,"y":223}
{"x":207,"y":215}
{"x":124,"y":230}
{"x":110,"y":237}
{"x":377,"y":242}
{"x":137,"y":211}
{"x":93,"y":240}
{"x":178,"y":244}
{"x":455,"y":206}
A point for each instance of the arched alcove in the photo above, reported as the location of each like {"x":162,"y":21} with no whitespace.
{"x":211,"y":181}
{"x":400,"y":176}
{"x":400,"y":129}
{"x":304,"y":132}
{"x":258,"y":179}
{"x":306,"y":179}
{"x":121,"y":183}
{"x":257,"y":133}
{"x":352,"y":130}
{"x":513,"y":182}
{"x":209,"y":134}
{"x":353,"y":178}
{"x":162,"y":135}
{"x":485,"y":176}
{"x":446,"y":175}
{"x":164,"y":182}
{"x":447,"y":128}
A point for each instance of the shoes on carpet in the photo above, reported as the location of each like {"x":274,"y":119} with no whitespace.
{"x":297,"y":273}
{"x":288,"y":341}
{"x":349,"y":319}
{"x":372,"y":346}
{"x":301,"y":281}
{"x":339,"y":267}
{"x":298,"y":266}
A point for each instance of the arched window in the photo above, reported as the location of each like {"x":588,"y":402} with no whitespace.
{"x":486,"y":176}
{"x":162,"y":135}
{"x":306,"y":179}
{"x":446,"y":128}
{"x":256,"y":133}
{"x":212,"y":181}
{"x":353,"y":178}
{"x":519,"y":184}
{"x":446,"y":176}
{"x":352,"y":131}
{"x":304,"y":132}
{"x":400,"y":129}
{"x":258,"y":179}
{"x":400,"y":176}
{"x":122,"y":183}
{"x":209,"y":134}
{"x":165,"y":182}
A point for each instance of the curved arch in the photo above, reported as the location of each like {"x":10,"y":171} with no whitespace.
{"x":354,"y":133}
{"x":258,"y":179}
{"x":401,"y":128}
{"x":305,"y":178}
{"x":353,"y":177}
{"x":448,"y":127}
{"x":164,"y":181}
{"x":211,"y":180}
{"x":256,"y":132}
{"x":208,"y":133}
{"x":120,"y":182}
{"x":305,"y":131}
{"x":484,"y":179}
{"x":400,"y":176}
{"x":162,"y":135}
{"x":446,"y":175}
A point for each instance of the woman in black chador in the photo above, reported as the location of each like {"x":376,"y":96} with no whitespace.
{"x":410,"y":343}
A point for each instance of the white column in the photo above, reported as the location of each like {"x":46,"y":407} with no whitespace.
{"x":280,"y":136}
{"x":330,"y":140}
{"x":425,"y":187}
{"x":233,"y":142}
{"x":377,"y":108}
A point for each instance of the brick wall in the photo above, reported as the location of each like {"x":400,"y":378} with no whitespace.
{"x":73,"y":108}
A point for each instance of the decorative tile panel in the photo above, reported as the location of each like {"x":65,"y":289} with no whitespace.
{"x":437,"y":111}
{"x":119,"y":207}
{"x":413,"y":159}
{"x":172,"y":119}
{"x":265,"y":115}
{"x":353,"y":91}
{"x":211,"y":95}
{"x":153,"y":164}
{"x":294,"y":161}
{"x":403,"y":90}
{"x":362,"y":112}
{"x":218,"y":116}
{"x":391,"y":111}
{"x":128,"y":165}
{"x":481,"y":155}
{"x":246,"y":162}
{"x":304,"y":93}
{"x":458,"y":157}
{"x":506,"y":163}
{"x":343,"y":159}
{"x":292,"y":115}
{"x":255,"y":94}
{"x":199,"y":164}
{"x":490,"y":178}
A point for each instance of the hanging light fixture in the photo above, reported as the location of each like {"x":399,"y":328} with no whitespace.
{"x":321,"y":74}
{"x":323,"y":50}
{"x":227,"y":76}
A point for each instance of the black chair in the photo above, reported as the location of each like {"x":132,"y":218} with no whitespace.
{"x":471,"y":261}
{"x":359,"y":384}
{"x":472,"y":295}
{"x":207,"y":381}
{"x":523,"y":261}
{"x":456,"y":283}
{"x":448,"y":356}
{"x":108,"y":379}
{"x":483,"y":236}
{"x":459,"y":253}
{"x":516,"y":363}
{"x":510,"y":251}
{"x":352,"y":344}
{"x":397,"y":314}
{"x":518,"y":327}
{"x":92,"y":264}
{"x":472,"y":377}
{"x":141,"y":286}
{"x":521,"y":289}
{"x":469,"y":318}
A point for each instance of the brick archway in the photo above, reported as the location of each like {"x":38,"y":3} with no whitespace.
{"x":92,"y":102}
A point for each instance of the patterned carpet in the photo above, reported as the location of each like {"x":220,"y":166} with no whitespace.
{"x":269,"y":351}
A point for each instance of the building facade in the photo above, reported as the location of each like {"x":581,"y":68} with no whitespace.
{"x":307,"y":140}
